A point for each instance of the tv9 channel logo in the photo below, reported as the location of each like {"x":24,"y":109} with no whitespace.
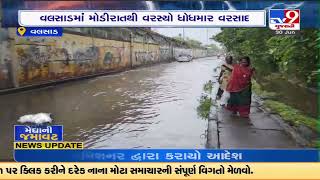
{"x":284,"y":19}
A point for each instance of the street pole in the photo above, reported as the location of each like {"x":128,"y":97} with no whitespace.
{"x":183,"y":33}
{"x":207,"y":40}
{"x":207,"y":36}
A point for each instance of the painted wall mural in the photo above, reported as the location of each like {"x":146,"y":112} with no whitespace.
{"x":108,"y":56}
{"x":166,"y":54}
{"x":113,"y":55}
{"x":38,"y":60}
{"x":5,"y":63}
{"x":146,"y":57}
{"x":86,"y":54}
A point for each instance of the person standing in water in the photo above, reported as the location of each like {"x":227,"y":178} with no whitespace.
{"x":224,"y":77}
{"x":239,"y":87}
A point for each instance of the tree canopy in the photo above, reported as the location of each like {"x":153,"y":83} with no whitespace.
{"x":190,"y":42}
{"x":294,"y":56}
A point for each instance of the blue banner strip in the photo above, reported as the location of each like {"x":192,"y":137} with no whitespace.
{"x":38,"y":133}
{"x":166,"y":155}
{"x":309,"y":9}
{"x":40,"y":31}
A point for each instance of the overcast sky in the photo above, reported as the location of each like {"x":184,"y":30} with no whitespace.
{"x":199,"y":34}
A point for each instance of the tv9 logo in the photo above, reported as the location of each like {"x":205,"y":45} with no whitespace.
{"x":284,"y":19}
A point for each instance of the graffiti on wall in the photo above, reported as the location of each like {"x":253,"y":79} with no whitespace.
{"x":5,"y":65}
{"x":86,"y":54}
{"x":60,"y":54}
{"x":108,"y":56}
{"x":33,"y":56}
{"x":165,"y":54}
{"x":113,"y":55}
{"x":33,"y":60}
{"x":146,"y":57}
{"x":45,"y":61}
{"x":40,"y":60}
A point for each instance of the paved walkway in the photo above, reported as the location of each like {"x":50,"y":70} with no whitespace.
{"x":260,"y":131}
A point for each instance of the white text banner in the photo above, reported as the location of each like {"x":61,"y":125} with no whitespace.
{"x":111,"y":18}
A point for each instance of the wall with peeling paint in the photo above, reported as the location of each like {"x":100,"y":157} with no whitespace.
{"x":5,"y":60}
{"x":80,"y":52}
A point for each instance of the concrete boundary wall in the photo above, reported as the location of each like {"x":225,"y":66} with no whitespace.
{"x":80,"y":52}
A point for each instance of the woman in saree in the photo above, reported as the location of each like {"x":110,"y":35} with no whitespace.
{"x":225,"y":74}
{"x":239,"y":87}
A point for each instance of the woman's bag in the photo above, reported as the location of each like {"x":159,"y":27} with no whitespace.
{"x":225,"y":97}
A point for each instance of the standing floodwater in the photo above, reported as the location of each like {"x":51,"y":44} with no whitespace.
{"x":152,"y":107}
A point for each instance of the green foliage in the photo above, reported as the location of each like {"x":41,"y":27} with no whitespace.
{"x":203,"y":109}
{"x":292,"y":116}
{"x":191,"y":43}
{"x":208,"y":87}
{"x":214,"y":49}
{"x":262,"y":93}
{"x":293,"y":55}
{"x":317,"y":144}
{"x":205,"y":101}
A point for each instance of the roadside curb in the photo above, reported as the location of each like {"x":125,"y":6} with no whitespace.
{"x":213,"y":128}
{"x":213,"y":123}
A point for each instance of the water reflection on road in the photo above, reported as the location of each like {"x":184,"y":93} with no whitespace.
{"x":152,"y":107}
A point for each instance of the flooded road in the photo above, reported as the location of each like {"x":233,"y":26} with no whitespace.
{"x":152,"y":107}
